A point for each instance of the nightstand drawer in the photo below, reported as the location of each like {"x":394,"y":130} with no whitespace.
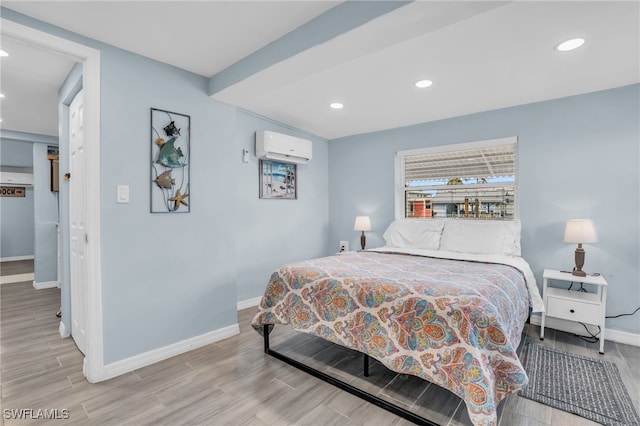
{"x":573,"y":310}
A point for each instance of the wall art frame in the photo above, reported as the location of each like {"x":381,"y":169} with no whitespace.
{"x":170,"y":142}
{"x":278,"y":180}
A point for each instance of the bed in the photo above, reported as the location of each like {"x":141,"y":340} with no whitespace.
{"x":444,"y":300}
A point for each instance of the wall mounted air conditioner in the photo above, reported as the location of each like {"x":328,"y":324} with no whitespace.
{"x":10,"y":178}
{"x":276,"y":146}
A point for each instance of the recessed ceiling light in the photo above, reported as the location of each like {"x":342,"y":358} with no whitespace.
{"x":3,"y":53}
{"x":423,"y":83}
{"x":1,"y":95}
{"x":570,"y":44}
{"x":336,"y":105}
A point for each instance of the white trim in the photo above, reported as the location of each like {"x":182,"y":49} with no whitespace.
{"x":249,"y":303}
{"x":510,"y":140}
{"x":16,"y":258}
{"x":16,"y":278}
{"x":94,"y":326}
{"x":400,"y":157}
{"x":90,"y":57}
{"x":612,"y":335}
{"x":64,"y":333}
{"x":399,"y":185}
{"x":138,"y":361}
{"x":45,"y":284}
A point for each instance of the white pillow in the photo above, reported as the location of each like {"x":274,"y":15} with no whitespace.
{"x":414,"y":233}
{"x":482,"y":237}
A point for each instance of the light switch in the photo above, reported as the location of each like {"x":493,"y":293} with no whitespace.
{"x":122,"y":194}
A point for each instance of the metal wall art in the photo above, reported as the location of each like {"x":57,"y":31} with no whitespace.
{"x":170,"y":170}
{"x":278,"y":180}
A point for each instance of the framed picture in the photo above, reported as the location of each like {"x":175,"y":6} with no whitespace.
{"x":278,"y":180}
{"x":170,"y":162}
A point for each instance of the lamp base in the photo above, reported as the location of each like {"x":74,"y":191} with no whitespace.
{"x":577,"y":271}
{"x":363,"y":241}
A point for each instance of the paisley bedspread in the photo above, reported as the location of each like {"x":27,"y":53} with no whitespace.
{"x":454,"y":323}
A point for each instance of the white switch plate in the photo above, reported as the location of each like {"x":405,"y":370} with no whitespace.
{"x":344,"y":246}
{"x":245,"y":155}
{"x":122,"y":194}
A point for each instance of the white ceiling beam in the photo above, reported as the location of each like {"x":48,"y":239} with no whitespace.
{"x":338,"y":20}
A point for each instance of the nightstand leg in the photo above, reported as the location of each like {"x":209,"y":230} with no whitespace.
{"x":544,"y":299}
{"x":603,"y":308}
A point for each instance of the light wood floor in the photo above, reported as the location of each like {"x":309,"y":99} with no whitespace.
{"x":232,"y":382}
{"x":16,"y":271}
{"x":16,"y":267}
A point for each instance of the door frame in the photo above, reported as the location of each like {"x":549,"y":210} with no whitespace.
{"x":93,"y":366}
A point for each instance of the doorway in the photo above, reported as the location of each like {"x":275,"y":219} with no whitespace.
{"x":89,"y":209}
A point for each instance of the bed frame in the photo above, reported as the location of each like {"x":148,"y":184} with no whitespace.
{"x":399,"y":411}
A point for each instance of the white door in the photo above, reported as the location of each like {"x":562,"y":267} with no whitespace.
{"x":77,"y":221}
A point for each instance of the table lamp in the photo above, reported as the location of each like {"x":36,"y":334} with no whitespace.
{"x":580,"y":231}
{"x":363,"y":223}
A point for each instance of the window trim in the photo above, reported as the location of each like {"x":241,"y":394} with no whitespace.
{"x":400,"y":163}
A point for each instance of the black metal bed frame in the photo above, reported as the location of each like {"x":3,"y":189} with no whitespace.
{"x":399,"y":411}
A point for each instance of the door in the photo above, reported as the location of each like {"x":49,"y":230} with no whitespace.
{"x":77,"y":221}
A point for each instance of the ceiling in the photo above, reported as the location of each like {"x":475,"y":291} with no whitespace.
{"x":480,"y":56}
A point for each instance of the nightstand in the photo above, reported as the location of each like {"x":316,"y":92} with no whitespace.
{"x":578,"y":306}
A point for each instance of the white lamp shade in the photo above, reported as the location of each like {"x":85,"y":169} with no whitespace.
{"x":363,"y":223}
{"x":580,"y":231}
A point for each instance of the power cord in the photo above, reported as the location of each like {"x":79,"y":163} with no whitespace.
{"x":623,"y":315}
{"x":595,"y":274}
{"x":594,"y":337}
{"x":582,"y":289}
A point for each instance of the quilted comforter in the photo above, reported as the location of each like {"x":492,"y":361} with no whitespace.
{"x":454,"y":323}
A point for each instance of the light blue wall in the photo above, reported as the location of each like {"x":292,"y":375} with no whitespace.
{"x":270,"y":233}
{"x":16,"y":214}
{"x":170,"y":277}
{"x":578,"y":158}
{"x":15,"y":153}
{"x":45,"y":216}
{"x":16,"y":225}
{"x":166,"y":277}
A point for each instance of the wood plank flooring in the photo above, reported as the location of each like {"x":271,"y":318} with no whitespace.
{"x":232,"y":382}
{"x":16,"y":267}
{"x":16,"y":271}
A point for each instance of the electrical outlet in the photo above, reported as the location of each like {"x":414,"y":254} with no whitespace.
{"x":344,"y":246}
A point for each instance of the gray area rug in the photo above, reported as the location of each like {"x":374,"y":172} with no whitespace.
{"x":588,"y":387}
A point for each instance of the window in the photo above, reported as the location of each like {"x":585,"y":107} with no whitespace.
{"x":474,"y":180}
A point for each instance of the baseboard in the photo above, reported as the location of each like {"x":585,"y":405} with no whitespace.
{"x":64,"y":333}
{"x":46,"y":284}
{"x":16,"y":258}
{"x":248,"y":303}
{"x":138,"y":361}
{"x":613,"y":335}
{"x":16,"y":278}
